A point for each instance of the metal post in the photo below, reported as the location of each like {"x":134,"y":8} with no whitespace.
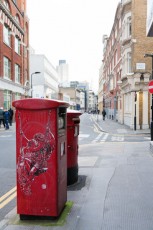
{"x":151,"y":125}
{"x":31,"y":81}
{"x":31,"y":84}
{"x":135,"y":119}
{"x":152,"y":106}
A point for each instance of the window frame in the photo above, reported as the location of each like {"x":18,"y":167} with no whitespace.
{"x":6,"y":4}
{"x":7,"y":35}
{"x":17,"y":73}
{"x":7,"y":68}
{"x":129,"y":63}
{"x":17,"y":47}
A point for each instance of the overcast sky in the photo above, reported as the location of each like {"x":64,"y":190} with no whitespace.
{"x":72,"y":30}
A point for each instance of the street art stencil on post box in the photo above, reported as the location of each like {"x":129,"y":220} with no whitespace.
{"x":35,"y":169}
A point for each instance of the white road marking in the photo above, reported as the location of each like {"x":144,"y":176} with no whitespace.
{"x":5,"y":135}
{"x":105,"y":137}
{"x":117,"y":138}
{"x":97,"y":138}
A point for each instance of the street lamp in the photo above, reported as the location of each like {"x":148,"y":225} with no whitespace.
{"x":151,"y":55}
{"x":31,"y":80}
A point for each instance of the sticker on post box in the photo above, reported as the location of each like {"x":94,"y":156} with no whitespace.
{"x":62,"y":148}
{"x":76,"y":133}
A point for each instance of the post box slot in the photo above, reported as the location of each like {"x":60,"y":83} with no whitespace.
{"x":76,"y":131}
{"x":76,"y":120}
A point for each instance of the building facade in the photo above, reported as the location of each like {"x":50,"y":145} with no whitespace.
{"x":126,"y":72}
{"x":84,"y":88}
{"x":74,"y":95}
{"x":111,"y":68}
{"x":44,"y":78}
{"x":14,"y":51}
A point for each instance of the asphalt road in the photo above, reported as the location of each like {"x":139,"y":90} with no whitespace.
{"x":89,"y":133}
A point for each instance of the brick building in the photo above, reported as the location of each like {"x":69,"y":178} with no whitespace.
{"x":111,"y":67}
{"x":126,"y":72}
{"x":14,"y":53}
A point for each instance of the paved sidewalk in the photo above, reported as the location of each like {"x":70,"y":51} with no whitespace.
{"x":112,"y":126}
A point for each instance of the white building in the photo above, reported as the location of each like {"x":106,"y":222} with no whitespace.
{"x":92,"y":106}
{"x":63,"y":72}
{"x":82,"y":101}
{"x":45,"y":83}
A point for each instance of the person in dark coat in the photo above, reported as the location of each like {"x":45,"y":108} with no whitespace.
{"x":104,"y":114}
{"x":6,"y":118}
{"x":11,"y":116}
{"x":2,"y":117}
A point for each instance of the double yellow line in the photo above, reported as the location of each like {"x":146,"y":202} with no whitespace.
{"x":7,"y":197}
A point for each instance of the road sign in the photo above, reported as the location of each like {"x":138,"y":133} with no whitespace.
{"x":150,"y":87}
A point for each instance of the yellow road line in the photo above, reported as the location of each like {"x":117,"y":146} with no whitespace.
{"x":5,"y":202}
{"x":7,"y":194}
{"x":9,"y":197}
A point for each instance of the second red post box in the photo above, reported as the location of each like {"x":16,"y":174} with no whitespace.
{"x":73,"y":122}
{"x":41,"y":157}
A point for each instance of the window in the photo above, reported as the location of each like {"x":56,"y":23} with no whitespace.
{"x":128,"y":26}
{"x":7,"y":99}
{"x":17,"y":45}
{"x":7,"y":5}
{"x":7,"y":35}
{"x":17,"y":19}
{"x":129,"y":69}
{"x":17,"y":73}
{"x":7,"y":68}
{"x":17,"y":96}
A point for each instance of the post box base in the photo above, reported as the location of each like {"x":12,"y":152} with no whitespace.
{"x":72,"y":175}
{"x":32,"y":217}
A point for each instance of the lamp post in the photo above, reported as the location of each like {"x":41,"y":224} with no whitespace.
{"x":31,"y":81}
{"x":135,"y":121}
{"x":151,"y":55}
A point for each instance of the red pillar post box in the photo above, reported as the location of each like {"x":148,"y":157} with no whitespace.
{"x":73,"y":122}
{"x":41,"y":157}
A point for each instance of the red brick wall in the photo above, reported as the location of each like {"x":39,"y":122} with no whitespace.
{"x":9,"y":52}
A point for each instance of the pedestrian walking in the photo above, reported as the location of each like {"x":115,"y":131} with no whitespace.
{"x":104,"y":114}
{"x":6,"y":118}
{"x":2,"y":117}
{"x":11,"y":116}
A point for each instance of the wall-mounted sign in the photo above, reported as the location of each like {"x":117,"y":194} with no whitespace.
{"x":141,"y":66}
